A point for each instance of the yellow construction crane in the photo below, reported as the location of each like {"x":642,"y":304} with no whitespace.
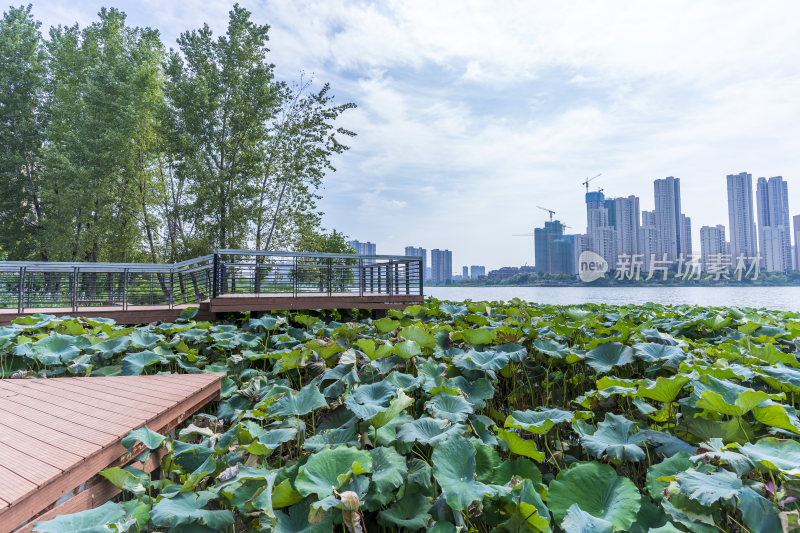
{"x":587,"y":180}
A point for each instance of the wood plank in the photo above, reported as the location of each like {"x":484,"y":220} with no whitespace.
{"x":64,"y":412}
{"x":54,"y":437}
{"x":89,"y":394}
{"x":121,"y":413}
{"x":31,"y":468}
{"x":113,"y":389}
{"x":57,"y":423}
{"x":113,"y":454}
{"x":13,"y":486}
{"x":52,"y":455}
{"x":151,"y":389}
{"x":28,"y":395}
{"x":94,"y":495}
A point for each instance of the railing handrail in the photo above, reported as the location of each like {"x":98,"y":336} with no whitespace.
{"x":99,"y":266}
{"x":317,"y":254}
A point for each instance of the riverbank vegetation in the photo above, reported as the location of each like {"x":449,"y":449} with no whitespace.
{"x":765,"y":279}
{"x":471,"y":416}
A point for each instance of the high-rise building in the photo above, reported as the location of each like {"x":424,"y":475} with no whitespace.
{"x":476,"y":271}
{"x":414,"y":251}
{"x":648,"y":244}
{"x":441,"y":266}
{"x":740,"y":215}
{"x":604,"y":243}
{"x":686,"y":236}
{"x":772,"y":211}
{"x":364,"y":248}
{"x":580,"y":244}
{"x":600,"y":232}
{"x":465,"y":272}
{"x":542,"y":242}
{"x":712,"y":242}
{"x":648,"y":218}
{"x":562,"y":254}
{"x":774,"y":242}
{"x":626,"y":222}
{"x":796,"y":222}
{"x":667,"y":194}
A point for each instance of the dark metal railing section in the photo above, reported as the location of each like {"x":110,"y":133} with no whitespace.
{"x":43,"y":285}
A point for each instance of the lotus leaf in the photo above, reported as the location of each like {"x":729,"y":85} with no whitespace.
{"x":540,"y":421}
{"x":579,"y":521}
{"x":187,"y":508}
{"x":409,"y":514}
{"x":774,"y":454}
{"x":598,"y":491}
{"x":366,"y":401}
{"x":329,"y":469}
{"x":709,"y":487}
{"x":454,"y":469}
{"x":449,"y":406}
{"x":616,"y":437}
{"x":298,"y":403}
{"x":608,"y":355}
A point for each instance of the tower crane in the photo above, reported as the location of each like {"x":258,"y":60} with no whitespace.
{"x":587,"y":180}
{"x":548,"y":210}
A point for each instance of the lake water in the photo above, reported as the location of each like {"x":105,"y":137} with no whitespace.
{"x":783,"y":298}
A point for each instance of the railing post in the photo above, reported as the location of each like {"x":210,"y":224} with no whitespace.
{"x":74,"y":290}
{"x":330,"y":276}
{"x":421,"y":278}
{"x":21,"y":303}
{"x":408,"y":277}
{"x":296,"y":277}
{"x":361,"y":281}
{"x":124,"y":289}
{"x":396,"y":284}
{"x":214,"y":280}
{"x":171,"y":288}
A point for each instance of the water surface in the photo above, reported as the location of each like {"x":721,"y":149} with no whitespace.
{"x":783,"y":298}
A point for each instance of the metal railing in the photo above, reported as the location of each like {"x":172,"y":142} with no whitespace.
{"x":44,"y":285}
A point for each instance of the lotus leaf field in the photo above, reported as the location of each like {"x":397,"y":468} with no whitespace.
{"x":471,"y":416}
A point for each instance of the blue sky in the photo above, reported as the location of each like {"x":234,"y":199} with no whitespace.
{"x":472,"y":113}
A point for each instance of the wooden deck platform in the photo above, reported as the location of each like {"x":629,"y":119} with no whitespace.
{"x":56,"y":434}
{"x":229,"y":303}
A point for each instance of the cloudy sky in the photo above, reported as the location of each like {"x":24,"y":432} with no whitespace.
{"x":470,"y":114}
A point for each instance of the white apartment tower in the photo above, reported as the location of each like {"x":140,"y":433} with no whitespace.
{"x":627,"y":224}
{"x":667,"y":194}
{"x":686,"y":236}
{"x":796,"y":224}
{"x":772,"y":211}
{"x":441,"y":266}
{"x":712,"y":242}
{"x":740,"y":215}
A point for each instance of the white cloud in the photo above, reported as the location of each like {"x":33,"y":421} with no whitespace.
{"x":471,"y":113}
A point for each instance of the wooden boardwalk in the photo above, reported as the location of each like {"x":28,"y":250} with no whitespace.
{"x":56,"y":434}
{"x":229,"y":303}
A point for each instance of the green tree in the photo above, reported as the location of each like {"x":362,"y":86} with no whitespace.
{"x":22,"y":73}
{"x":222,"y":96}
{"x":104,"y":94}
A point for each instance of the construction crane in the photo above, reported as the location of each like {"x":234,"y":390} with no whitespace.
{"x":587,"y":180}
{"x":548,"y":210}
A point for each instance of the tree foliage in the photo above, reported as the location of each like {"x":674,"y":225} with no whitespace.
{"x":116,"y":149}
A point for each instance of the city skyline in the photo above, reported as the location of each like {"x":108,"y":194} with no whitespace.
{"x":759,"y":213}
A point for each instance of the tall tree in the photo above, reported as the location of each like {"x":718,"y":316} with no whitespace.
{"x":303,"y":141}
{"x":104,"y":96}
{"x":22,"y":73}
{"x":222,"y":95}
